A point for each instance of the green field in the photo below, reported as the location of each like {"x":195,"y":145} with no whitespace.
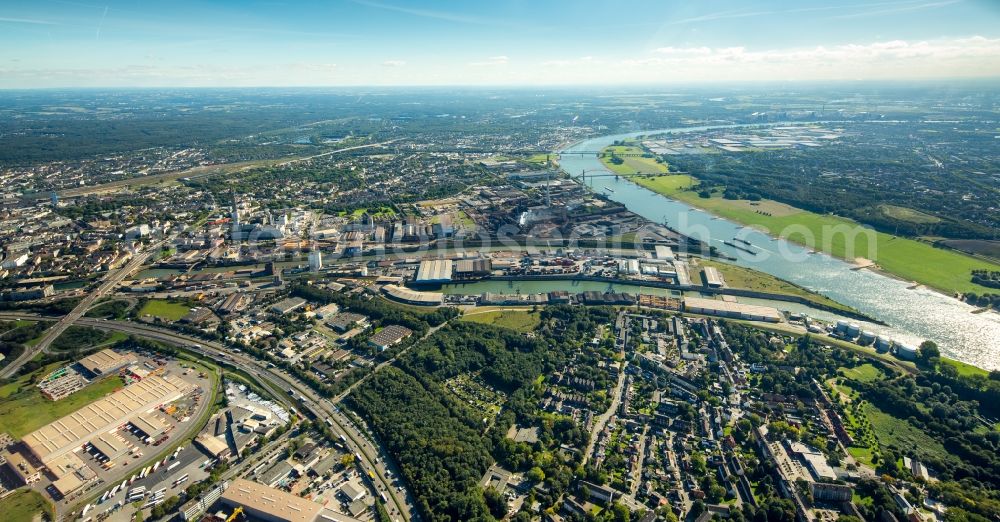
{"x":908,"y":215}
{"x":862,"y":455}
{"x":631,"y":164}
{"x":740,"y":277}
{"x":541,"y":159}
{"x":864,"y":373}
{"x":965,"y":369}
{"x":165,"y":310}
{"x":522,"y":321}
{"x":892,"y":431}
{"x":23,"y":409}
{"x":668,"y":185}
{"x":23,"y":505}
{"x":911,"y":260}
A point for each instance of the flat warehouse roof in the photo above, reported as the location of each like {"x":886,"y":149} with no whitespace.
{"x":698,"y":304}
{"x":104,"y":360}
{"x":272,"y":502}
{"x":70,"y":432}
{"x":151,"y":425}
{"x":434,"y":270}
{"x":110,"y":445}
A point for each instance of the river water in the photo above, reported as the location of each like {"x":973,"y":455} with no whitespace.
{"x":911,"y":315}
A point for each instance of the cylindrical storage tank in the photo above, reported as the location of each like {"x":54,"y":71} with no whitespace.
{"x":841,"y":327}
{"x":906,"y":351}
{"x":883,"y":344}
{"x":853,"y":330}
{"x":866,"y":337}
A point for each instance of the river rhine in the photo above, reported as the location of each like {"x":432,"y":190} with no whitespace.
{"x":910,"y":315}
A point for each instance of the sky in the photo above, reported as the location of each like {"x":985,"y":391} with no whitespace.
{"x":185,"y":43}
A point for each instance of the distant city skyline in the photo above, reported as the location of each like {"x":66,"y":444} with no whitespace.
{"x":57,"y":43}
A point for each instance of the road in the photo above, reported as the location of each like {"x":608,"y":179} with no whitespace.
{"x":110,"y":280}
{"x":372,"y":459}
{"x":602,"y":420}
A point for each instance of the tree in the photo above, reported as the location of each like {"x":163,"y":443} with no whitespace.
{"x":536,"y":475}
{"x":495,"y":502}
{"x":928,"y":350}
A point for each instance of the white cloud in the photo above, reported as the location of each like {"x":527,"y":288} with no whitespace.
{"x":970,"y":57}
{"x":974,"y":56}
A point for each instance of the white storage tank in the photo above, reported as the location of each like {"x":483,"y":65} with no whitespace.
{"x":867,"y":337}
{"x":906,"y":351}
{"x":853,"y":330}
{"x":883,"y":344}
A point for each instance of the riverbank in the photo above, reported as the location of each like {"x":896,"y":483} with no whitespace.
{"x":947,"y":271}
{"x":581,"y":283}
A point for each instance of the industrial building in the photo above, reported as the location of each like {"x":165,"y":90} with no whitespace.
{"x":269,"y":504}
{"x":69,"y":433}
{"x":110,"y":445}
{"x":471,"y":268}
{"x":24,"y":470}
{"x":389,"y":336}
{"x":698,"y":305}
{"x":107,"y":361}
{"x":405,"y":295}
{"x":663,"y":252}
{"x":150,"y":425}
{"x":315,"y":261}
{"x":214,"y":446}
{"x":289,"y":305}
{"x":713,"y":278}
{"x":346,"y":320}
{"x":434,"y":271}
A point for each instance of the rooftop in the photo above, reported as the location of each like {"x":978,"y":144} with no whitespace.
{"x":275,"y":503}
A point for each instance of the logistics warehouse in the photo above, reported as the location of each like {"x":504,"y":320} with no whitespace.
{"x":87,"y":424}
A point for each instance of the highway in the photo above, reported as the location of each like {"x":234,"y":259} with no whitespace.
{"x":111,"y":279}
{"x":400,"y":503}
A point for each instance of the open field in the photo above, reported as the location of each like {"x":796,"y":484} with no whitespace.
{"x":862,"y":455}
{"x":164,"y":310}
{"x":864,"y":373}
{"x":667,"y":185}
{"x":892,"y":431}
{"x":522,"y":321}
{"x":740,"y":277}
{"x":25,"y":410}
{"x":24,"y":504}
{"x":965,"y":369}
{"x":908,"y":259}
{"x":631,"y":164}
{"x":975,"y":246}
{"x":541,"y":159}
{"x":908,"y":214}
